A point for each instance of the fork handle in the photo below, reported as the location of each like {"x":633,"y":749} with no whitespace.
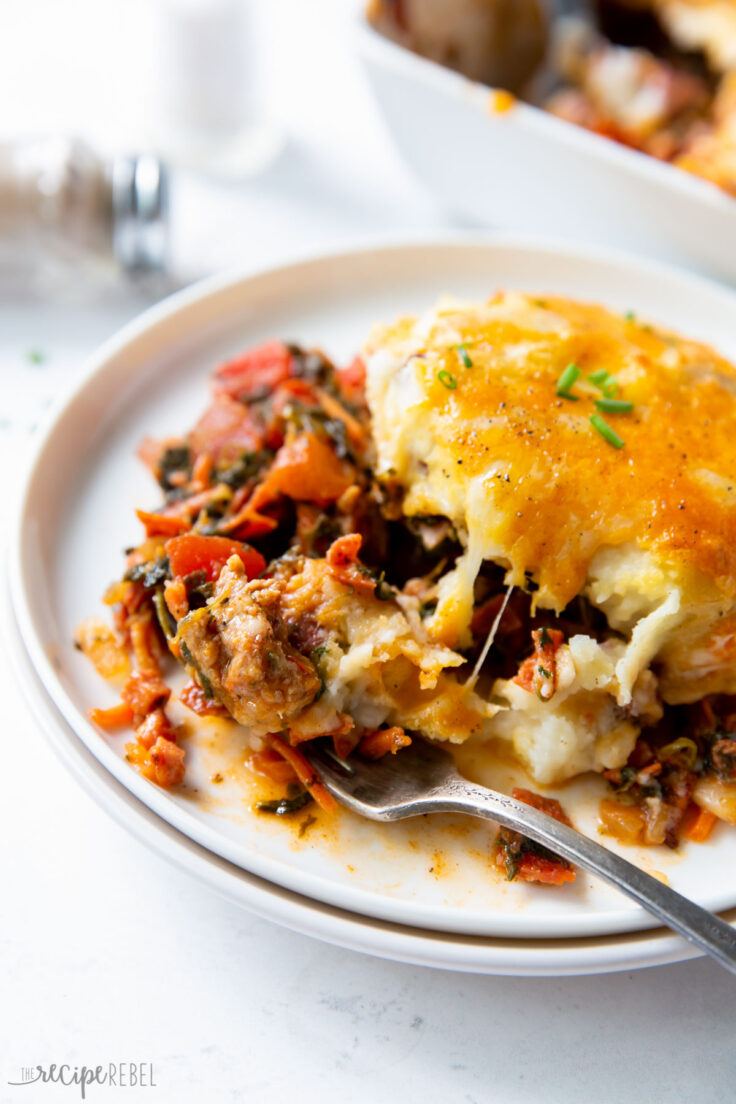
{"x":696,"y":924}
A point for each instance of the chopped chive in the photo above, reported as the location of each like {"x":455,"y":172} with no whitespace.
{"x":567,"y":379}
{"x":630,"y":316}
{"x":614,"y":406}
{"x":464,"y":356}
{"x":36,"y":356}
{"x":598,"y":377}
{"x":568,"y":395}
{"x":605,"y":431}
{"x":610,"y":389}
{"x":447,"y":379}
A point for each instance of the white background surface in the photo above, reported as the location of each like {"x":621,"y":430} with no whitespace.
{"x":109,"y":955}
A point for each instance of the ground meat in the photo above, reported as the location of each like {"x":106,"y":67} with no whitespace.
{"x":167,"y":763}
{"x":239,"y":648}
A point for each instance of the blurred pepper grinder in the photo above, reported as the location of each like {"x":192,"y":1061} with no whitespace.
{"x":70,"y":218}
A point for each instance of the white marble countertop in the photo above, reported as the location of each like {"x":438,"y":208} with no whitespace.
{"x":108,"y":954}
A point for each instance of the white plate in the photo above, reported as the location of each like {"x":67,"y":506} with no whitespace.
{"x":527,"y":171}
{"x":77,"y":515}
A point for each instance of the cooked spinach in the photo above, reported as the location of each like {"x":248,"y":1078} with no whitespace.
{"x":175,"y":458}
{"x":151,"y":574}
{"x":285,"y":805}
{"x":204,"y":682}
{"x":244,"y":468}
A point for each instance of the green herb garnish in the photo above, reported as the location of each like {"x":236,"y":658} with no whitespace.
{"x":605,"y":431}
{"x":447,"y":379}
{"x":566,"y":381}
{"x":604,"y":382}
{"x":614,"y":406}
{"x":36,"y":356}
{"x":464,"y":356}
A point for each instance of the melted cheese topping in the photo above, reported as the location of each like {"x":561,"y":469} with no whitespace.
{"x":525,"y":478}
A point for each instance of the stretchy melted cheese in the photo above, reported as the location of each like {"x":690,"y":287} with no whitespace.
{"x":467,"y":419}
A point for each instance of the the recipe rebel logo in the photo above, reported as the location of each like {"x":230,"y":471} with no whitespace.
{"x":119,"y":1075}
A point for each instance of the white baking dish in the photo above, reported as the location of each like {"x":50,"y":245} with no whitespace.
{"x":525,"y":170}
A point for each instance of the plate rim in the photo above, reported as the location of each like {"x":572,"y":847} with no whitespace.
{"x":144,"y":325}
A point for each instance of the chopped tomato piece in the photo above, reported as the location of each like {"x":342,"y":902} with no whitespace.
{"x":194,"y":552}
{"x":291,"y":389}
{"x":548,"y":805}
{"x":342,"y":560}
{"x":260,"y":369}
{"x":344,"y":551}
{"x":538,"y":868}
{"x":226,"y":430}
{"x":383,"y":740}
{"x":520,"y":858}
{"x":307,"y":470}
{"x":351,"y":380}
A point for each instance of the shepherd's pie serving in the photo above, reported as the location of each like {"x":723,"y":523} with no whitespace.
{"x":511,"y":522}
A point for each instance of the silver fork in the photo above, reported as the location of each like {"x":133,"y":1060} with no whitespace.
{"x":422,"y":778}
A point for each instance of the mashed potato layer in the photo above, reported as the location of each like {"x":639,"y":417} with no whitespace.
{"x":468,"y":420}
